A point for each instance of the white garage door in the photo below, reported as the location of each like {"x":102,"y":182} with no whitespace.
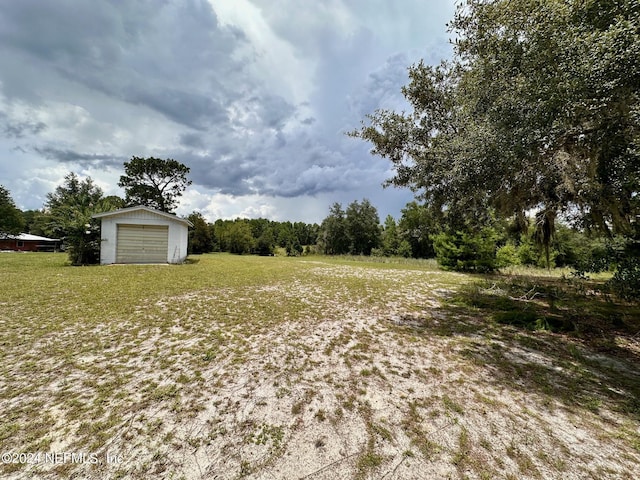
{"x":142,"y":244}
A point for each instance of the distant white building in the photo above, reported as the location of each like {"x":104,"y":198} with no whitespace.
{"x":142,"y":235}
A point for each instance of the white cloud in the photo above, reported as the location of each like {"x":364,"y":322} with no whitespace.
{"x":279,"y":69}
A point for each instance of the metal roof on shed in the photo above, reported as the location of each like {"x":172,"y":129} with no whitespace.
{"x":145,"y":209}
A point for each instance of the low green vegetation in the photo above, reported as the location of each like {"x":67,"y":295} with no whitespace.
{"x":495,"y":243}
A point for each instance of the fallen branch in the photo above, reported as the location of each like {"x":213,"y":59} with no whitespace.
{"x":328,"y":466}
{"x":396,"y":468}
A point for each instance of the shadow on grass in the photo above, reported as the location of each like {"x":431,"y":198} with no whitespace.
{"x":546,"y":336}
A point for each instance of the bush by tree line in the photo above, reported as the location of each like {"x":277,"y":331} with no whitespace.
{"x":494,"y":245}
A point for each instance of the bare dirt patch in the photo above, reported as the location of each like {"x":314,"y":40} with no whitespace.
{"x":338,"y":372}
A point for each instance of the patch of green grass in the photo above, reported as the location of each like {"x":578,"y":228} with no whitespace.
{"x":382,"y":432}
{"x":412,"y":426}
{"x":368,"y":462}
{"x":461,"y":456}
{"x":269,"y":434}
{"x":593,"y":404}
{"x":452,"y":405}
{"x":632,"y":436}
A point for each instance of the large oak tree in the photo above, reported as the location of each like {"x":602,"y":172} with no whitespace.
{"x":539,"y":110}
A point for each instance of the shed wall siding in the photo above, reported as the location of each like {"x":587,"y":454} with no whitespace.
{"x":178,"y":234}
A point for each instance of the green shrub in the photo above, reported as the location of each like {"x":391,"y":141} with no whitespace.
{"x":404,"y":249}
{"x":467,"y":251}
{"x":626,"y":279}
{"x":507,"y":255}
{"x":294,"y":249}
{"x":542,"y":259}
{"x":83,"y":244}
{"x":527,"y":253}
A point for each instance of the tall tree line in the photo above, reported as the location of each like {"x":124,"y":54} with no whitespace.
{"x":250,"y":236}
{"x":69,"y":208}
{"x":355,"y":230}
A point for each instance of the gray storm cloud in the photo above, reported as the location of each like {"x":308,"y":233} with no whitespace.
{"x":254,"y":96}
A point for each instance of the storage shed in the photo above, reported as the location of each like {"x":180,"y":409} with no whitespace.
{"x":142,"y":235}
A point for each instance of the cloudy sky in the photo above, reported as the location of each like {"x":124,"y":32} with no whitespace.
{"x":255,"y":96}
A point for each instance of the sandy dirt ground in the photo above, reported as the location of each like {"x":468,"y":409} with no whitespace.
{"x":394,"y":386}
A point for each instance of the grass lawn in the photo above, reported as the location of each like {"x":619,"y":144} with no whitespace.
{"x":312,"y":368}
